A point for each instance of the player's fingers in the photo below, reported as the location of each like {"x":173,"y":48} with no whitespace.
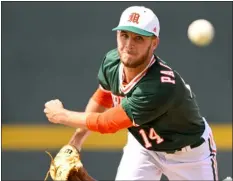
{"x":53,"y":102}
{"x":46,"y":110}
{"x":49,"y":117}
{"x":50,"y":120}
{"x":48,"y":103}
{"x":57,"y":101}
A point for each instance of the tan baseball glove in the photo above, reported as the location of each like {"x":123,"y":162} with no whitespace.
{"x":67,"y":166}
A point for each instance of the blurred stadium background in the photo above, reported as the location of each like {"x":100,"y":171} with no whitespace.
{"x":53,"y":50}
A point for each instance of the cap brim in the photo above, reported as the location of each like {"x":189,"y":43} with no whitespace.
{"x":134,"y":30}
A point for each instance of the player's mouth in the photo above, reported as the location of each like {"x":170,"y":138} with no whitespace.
{"x":129,"y":52}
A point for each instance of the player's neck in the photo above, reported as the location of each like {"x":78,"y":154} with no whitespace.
{"x":131,"y":73}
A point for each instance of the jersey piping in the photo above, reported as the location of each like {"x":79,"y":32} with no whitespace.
{"x":126,"y":88}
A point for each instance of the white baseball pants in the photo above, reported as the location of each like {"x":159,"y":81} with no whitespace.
{"x":198,"y":163}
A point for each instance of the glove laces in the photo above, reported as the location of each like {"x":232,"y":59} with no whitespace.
{"x":52,"y":162}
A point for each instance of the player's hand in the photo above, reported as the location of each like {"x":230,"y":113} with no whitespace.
{"x":55,"y":111}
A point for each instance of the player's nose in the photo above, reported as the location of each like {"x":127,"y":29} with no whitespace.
{"x":130,"y":43}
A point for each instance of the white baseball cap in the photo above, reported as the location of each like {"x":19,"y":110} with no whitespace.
{"x":140,"y":20}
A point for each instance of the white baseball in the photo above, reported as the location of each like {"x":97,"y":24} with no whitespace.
{"x":201,"y":32}
{"x":228,"y":179}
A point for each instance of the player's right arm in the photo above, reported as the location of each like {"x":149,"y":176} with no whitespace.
{"x":99,"y":102}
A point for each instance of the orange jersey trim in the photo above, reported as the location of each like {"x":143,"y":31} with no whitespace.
{"x":109,"y":121}
{"x":103,"y":98}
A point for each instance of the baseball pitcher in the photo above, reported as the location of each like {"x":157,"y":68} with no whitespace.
{"x":140,"y":92}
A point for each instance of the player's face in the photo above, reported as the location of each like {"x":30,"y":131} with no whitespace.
{"x":135,"y":49}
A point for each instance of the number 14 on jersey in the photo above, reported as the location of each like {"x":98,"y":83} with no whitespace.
{"x":148,"y":138}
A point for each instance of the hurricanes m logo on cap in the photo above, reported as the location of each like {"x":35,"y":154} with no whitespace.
{"x":134,"y":17}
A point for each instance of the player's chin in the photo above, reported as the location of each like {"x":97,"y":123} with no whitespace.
{"x":129,"y":60}
{"x":129,"y":63}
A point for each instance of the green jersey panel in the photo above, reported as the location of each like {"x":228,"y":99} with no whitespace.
{"x":161,"y":105}
{"x":108,"y":72}
{"x":149,"y":100}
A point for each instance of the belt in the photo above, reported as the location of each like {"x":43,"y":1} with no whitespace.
{"x":198,"y":143}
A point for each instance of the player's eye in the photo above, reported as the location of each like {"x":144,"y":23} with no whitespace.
{"x":139,"y":38}
{"x":124,"y":35}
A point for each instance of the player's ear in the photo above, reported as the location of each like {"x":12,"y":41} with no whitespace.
{"x":155,"y":42}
